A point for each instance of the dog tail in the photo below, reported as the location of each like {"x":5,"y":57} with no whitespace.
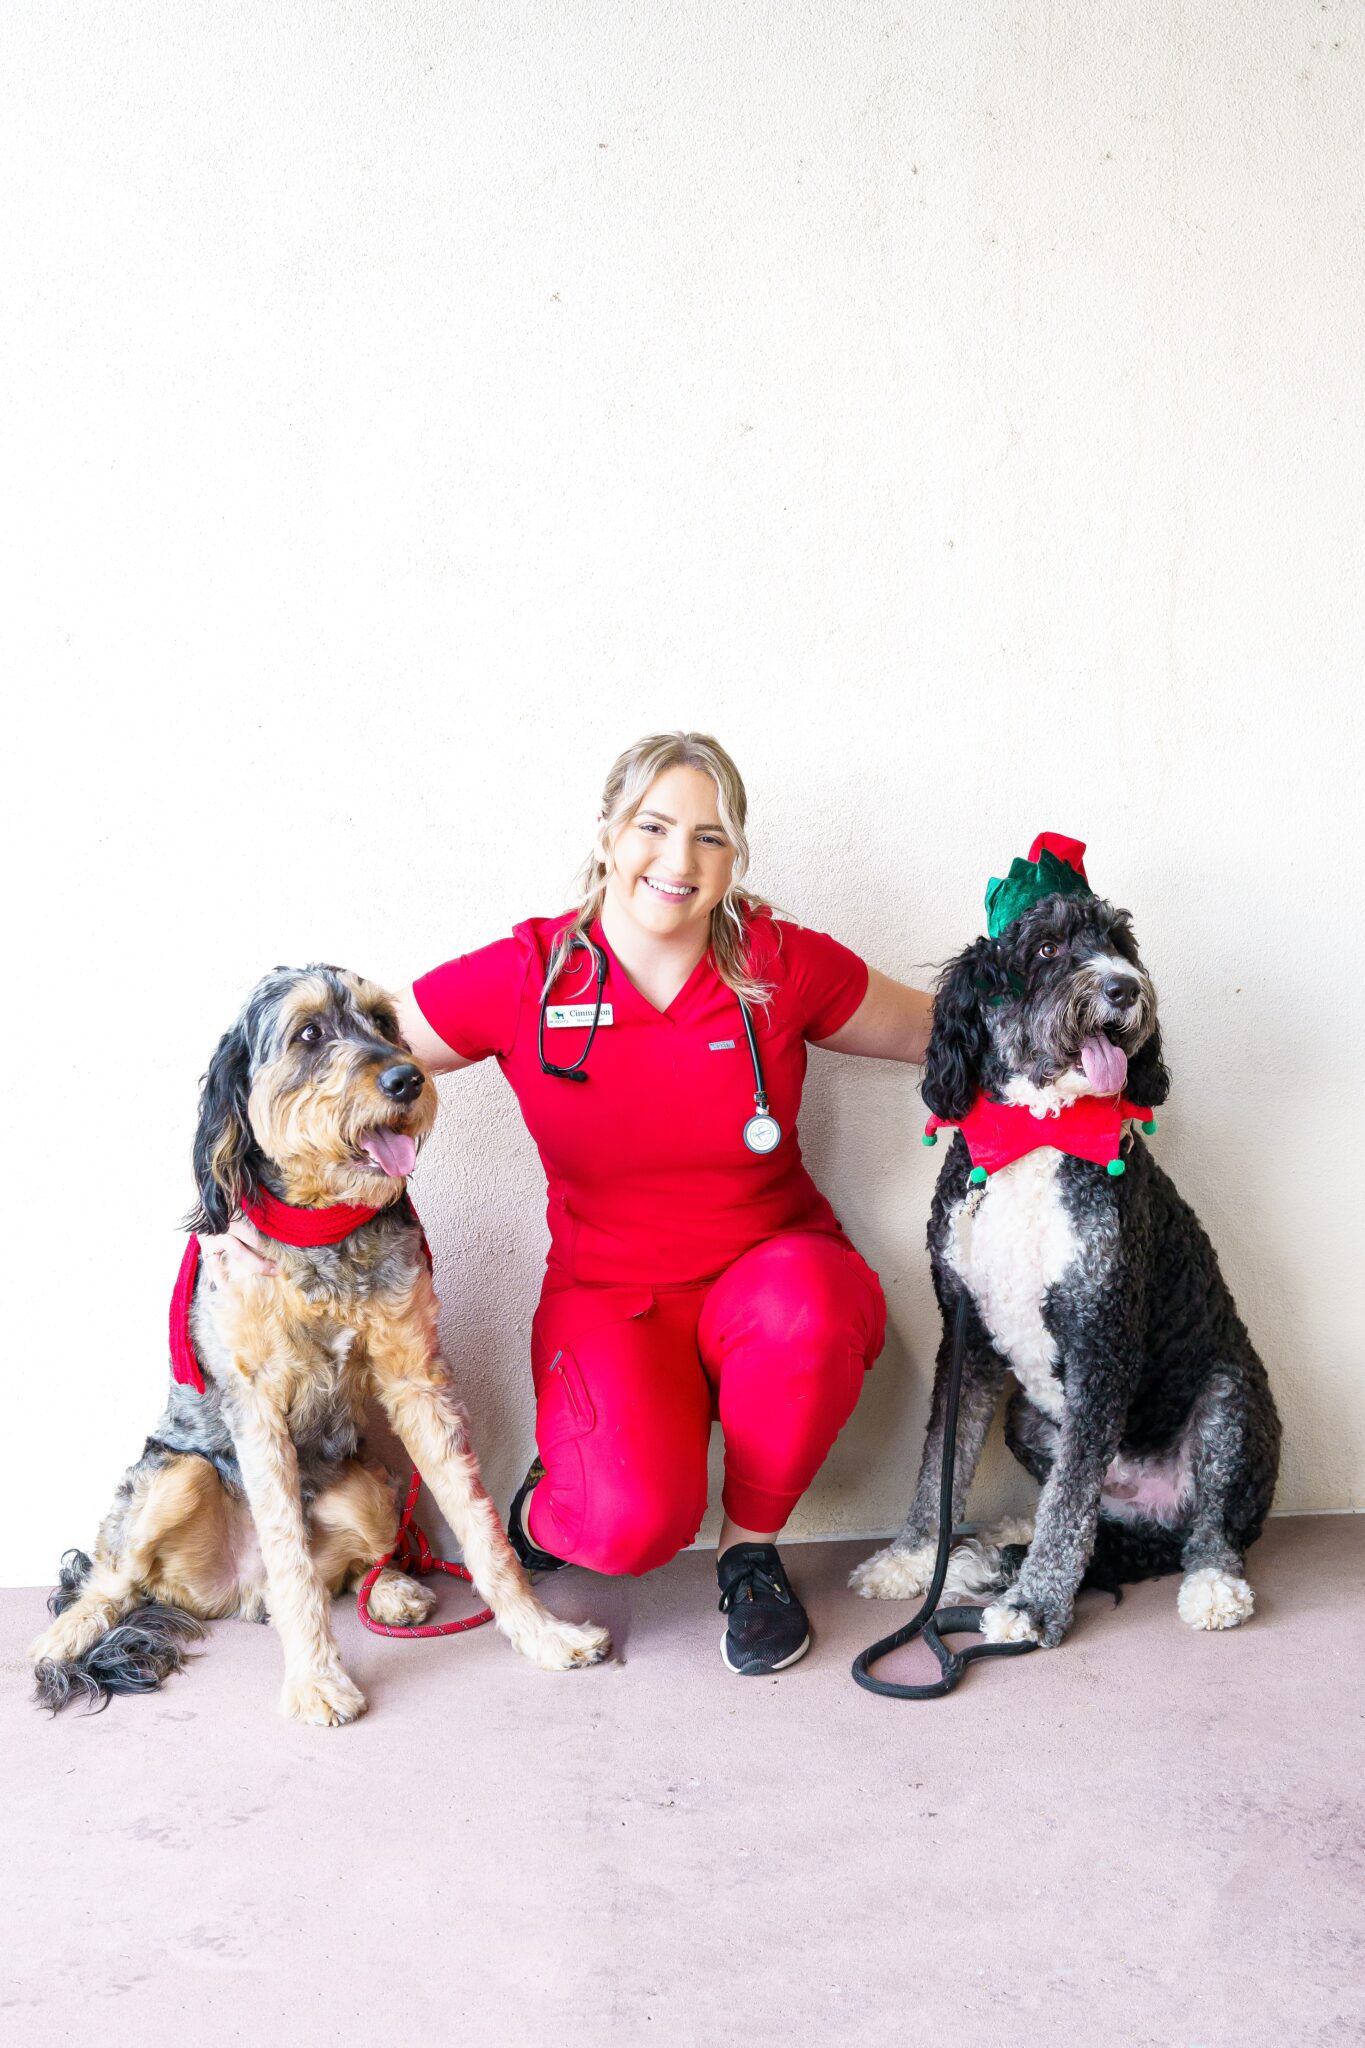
{"x":1124,"y":1553}
{"x":988,"y":1561}
{"x":1128,"y":1551}
{"x":137,"y":1654}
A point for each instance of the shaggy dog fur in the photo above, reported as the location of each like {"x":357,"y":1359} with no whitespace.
{"x":1140,"y":1405}
{"x":256,"y":1493}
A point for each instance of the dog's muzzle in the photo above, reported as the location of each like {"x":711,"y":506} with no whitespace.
{"x":1121,"y":991}
{"x":403,"y":1082}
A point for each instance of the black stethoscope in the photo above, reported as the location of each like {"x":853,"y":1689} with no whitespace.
{"x":762,"y":1133}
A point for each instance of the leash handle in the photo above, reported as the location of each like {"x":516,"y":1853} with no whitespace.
{"x":415,"y":1554}
{"x":926,"y":1623}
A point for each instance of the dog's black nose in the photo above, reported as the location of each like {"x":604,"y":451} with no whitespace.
{"x":403,"y":1082}
{"x":1120,"y":990}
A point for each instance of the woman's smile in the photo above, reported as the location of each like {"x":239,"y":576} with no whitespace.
{"x":670,"y":865}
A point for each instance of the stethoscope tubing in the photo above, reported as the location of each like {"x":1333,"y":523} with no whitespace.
{"x":576,"y":1070}
{"x":760,"y":1092}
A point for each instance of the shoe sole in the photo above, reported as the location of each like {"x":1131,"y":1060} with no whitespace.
{"x":760,"y":1670}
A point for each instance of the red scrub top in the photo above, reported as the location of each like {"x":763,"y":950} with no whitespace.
{"x":649,"y":1176}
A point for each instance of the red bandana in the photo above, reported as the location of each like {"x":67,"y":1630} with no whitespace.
{"x":999,"y":1132}
{"x":275,"y":1219}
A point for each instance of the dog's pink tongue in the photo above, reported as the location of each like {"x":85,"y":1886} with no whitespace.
{"x":393,"y":1152}
{"x":1105,"y":1065}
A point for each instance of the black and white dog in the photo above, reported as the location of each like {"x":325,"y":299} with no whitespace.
{"x":1141,"y":1406}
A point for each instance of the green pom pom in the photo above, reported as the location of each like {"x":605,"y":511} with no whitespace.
{"x":1149,"y":1128}
{"x":929,"y":1138}
{"x":1116,"y":1167}
{"x":977,"y":1176}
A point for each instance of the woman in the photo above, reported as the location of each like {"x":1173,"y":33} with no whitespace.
{"x":694,"y":1267}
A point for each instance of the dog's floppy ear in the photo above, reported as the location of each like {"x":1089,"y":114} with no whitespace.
{"x":223,"y":1143}
{"x":1148,"y":1081}
{"x":958,"y":1042}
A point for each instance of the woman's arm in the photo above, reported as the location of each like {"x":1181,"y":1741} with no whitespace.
{"x":891,"y":1022}
{"x":432,"y":1051}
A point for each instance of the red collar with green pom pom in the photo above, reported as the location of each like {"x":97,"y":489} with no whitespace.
{"x":998,"y":1133}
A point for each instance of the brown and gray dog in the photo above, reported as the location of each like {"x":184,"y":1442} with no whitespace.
{"x":255,"y":1494}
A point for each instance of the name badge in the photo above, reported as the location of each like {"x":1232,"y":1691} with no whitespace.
{"x":575,"y":1016}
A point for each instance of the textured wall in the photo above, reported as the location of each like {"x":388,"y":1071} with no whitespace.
{"x":957,"y":409}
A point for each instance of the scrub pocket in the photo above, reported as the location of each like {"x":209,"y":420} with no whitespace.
{"x":564,"y":1406}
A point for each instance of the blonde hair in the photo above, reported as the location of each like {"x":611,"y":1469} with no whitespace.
{"x":631,"y":777}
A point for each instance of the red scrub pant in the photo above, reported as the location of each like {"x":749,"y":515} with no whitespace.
{"x":628,"y":1380}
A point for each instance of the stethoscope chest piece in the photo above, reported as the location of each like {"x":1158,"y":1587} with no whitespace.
{"x":763,"y":1133}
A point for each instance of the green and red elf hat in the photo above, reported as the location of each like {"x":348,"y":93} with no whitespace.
{"x":1055,"y":867}
{"x":998,"y":1133}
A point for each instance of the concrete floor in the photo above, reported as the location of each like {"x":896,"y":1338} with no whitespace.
{"x":1146,"y":1836}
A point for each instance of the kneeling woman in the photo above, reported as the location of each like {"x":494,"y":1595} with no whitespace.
{"x":656,"y":1040}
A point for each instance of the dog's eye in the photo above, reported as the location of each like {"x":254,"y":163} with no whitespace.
{"x":310,"y":1034}
{"x":1049,"y":950}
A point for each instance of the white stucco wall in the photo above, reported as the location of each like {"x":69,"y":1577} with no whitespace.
{"x":958,"y":409}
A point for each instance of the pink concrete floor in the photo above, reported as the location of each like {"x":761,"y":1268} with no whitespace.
{"x":1147,"y":1836}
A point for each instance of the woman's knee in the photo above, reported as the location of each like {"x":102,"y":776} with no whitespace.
{"x":629,"y":1533}
{"x":805,"y":1298}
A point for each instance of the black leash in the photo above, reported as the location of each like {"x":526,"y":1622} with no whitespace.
{"x":948,"y":1620}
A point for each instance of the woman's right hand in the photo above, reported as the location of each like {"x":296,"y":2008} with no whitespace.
{"x":232,"y":1260}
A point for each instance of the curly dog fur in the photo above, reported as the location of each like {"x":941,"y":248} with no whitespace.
{"x":1140,"y":1405}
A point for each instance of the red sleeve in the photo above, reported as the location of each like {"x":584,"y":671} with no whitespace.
{"x":473,"y":1002}
{"x":825,"y":981}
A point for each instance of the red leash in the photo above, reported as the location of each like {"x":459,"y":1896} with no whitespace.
{"x":414,"y":1554}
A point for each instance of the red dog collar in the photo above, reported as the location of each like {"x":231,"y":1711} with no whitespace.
{"x":288,"y":1225}
{"x":275,"y":1219}
{"x":999,"y":1132}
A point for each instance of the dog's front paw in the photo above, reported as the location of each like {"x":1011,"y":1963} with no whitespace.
{"x":1005,"y":1622}
{"x":1018,"y":1619}
{"x":1214,"y":1599}
{"x":564,"y":1645}
{"x":323,"y":1699}
{"x":893,"y":1574}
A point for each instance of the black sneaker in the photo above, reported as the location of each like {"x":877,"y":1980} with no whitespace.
{"x":533,"y":1559}
{"x":768,"y":1626}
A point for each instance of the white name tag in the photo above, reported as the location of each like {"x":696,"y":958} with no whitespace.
{"x":575,"y":1016}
